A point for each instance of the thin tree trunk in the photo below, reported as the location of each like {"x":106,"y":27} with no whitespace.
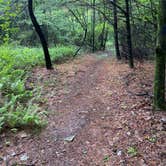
{"x":105,"y":39}
{"x":159,"y":82}
{"x":40,"y":34}
{"x":93,"y":25}
{"x":129,"y":41}
{"x":116,"y":32}
{"x":84,"y":27}
{"x":102,"y":41}
{"x":83,"y":42}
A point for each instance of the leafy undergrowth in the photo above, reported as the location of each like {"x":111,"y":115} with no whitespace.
{"x":17,"y":109}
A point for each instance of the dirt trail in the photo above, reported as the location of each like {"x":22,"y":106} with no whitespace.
{"x":93,"y":118}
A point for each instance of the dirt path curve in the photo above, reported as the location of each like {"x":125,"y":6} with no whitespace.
{"x":92,"y":118}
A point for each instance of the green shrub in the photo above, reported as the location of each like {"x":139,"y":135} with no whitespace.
{"x":62,"y":53}
{"x":16,"y":111}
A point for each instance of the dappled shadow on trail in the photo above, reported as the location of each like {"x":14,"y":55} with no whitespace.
{"x":98,"y":114}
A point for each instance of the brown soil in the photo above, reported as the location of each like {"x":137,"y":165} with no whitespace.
{"x":99,"y":114}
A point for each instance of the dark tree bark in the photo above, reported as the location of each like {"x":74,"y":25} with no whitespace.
{"x":129,"y":40}
{"x":102,"y":37}
{"x":116,"y":32}
{"x":104,"y":34}
{"x":40,"y":34}
{"x":93,"y":25}
{"x":159,"y":82}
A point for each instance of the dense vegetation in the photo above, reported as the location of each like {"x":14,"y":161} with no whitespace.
{"x":17,"y":106}
{"x":70,"y":27}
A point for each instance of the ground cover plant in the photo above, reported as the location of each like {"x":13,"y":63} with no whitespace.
{"x":17,"y":108}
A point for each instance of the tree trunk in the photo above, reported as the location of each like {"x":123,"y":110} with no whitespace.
{"x":129,"y":41}
{"x":93,"y":25}
{"x":40,"y":34}
{"x":159,"y":82}
{"x":102,"y":37}
{"x":116,"y":32}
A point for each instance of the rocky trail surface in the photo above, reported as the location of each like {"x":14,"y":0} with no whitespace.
{"x":99,"y":113}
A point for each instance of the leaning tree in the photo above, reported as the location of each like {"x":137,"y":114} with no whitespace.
{"x":41,"y":35}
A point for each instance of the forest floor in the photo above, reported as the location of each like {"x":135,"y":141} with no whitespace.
{"x":99,"y":114}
